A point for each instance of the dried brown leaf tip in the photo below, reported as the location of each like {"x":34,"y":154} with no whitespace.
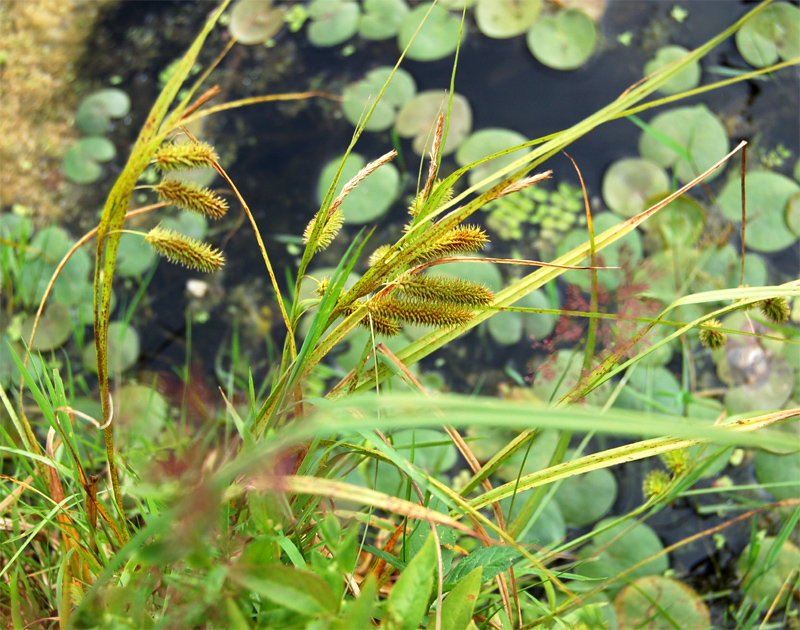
{"x":191,"y":197}
{"x":329,"y":230}
{"x":360,"y":176}
{"x":187,"y":251}
{"x":711,"y":337}
{"x":173,"y":156}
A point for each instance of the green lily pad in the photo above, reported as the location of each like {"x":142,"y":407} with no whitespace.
{"x":557,"y":376}
{"x":134,"y":256}
{"x":371,"y":198}
{"x":796,"y":172}
{"x":547,"y":529}
{"x":82,"y":160}
{"x":189,"y":224}
{"x":774,"y":468}
{"x":628,"y":248}
{"x":681,"y":223}
{"x":762,"y":581}
{"x":761,"y":394}
{"x":652,"y":390}
{"x":768,"y":194}
{"x":697,"y":131}
{"x":456,"y":5}
{"x":417,"y":119}
{"x":563,"y":41}
{"x":332,"y":22}
{"x":255,"y":21}
{"x":46,"y":250}
{"x":526,"y":461}
{"x":629,"y":183}
{"x":508,"y":327}
{"x":358,"y":97}
{"x":584,"y":499}
{"x":382,"y":18}
{"x":141,"y":412}
{"x":686,"y":79}
{"x":123,"y":349}
{"x":96,"y":110}
{"x":626,"y":551}
{"x":793,"y":213}
{"x":654,"y":602}
{"x":55,"y":328}
{"x":773,"y":33}
{"x":484,"y":143}
{"x":502,"y":19}
{"x":437,"y":37}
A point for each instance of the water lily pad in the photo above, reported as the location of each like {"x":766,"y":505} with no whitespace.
{"x":55,"y":327}
{"x":558,"y":375}
{"x":652,"y":390}
{"x":761,"y":394}
{"x":680,"y":224}
{"x":773,"y":33}
{"x":626,"y":551}
{"x":437,"y":37}
{"x":189,"y":224}
{"x":141,"y":412}
{"x":123,"y":349}
{"x":417,"y":118}
{"x":526,"y":461}
{"x":456,"y":5}
{"x":255,"y":21}
{"x":628,"y":249}
{"x":686,"y":79}
{"x":382,"y":18}
{"x":358,"y":97}
{"x":629,"y":183}
{"x":96,"y":110}
{"x":332,"y":21}
{"x":793,"y":213}
{"x":82,"y":160}
{"x":697,"y":131}
{"x":779,"y":469}
{"x":584,"y":499}
{"x":763,"y":581}
{"x":371,"y":198}
{"x":486,"y":142}
{"x":46,"y":250}
{"x":502,"y":19}
{"x":548,"y":528}
{"x":508,"y":327}
{"x":768,"y":194}
{"x":563,"y":41}
{"x":654,"y":602}
{"x":134,"y":256}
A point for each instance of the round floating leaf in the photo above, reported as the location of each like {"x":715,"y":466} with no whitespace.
{"x":556,"y":377}
{"x":134,"y":256}
{"x":586,"y":498}
{"x":501,"y":19}
{"x":141,"y":412}
{"x":695,"y":129}
{"x":417,"y":119}
{"x":652,"y":389}
{"x":81,"y":161}
{"x":123,"y":349}
{"x":629,"y":549}
{"x":484,"y":143}
{"x":55,"y":327}
{"x":654,"y":602}
{"x":793,"y":213}
{"x":766,"y":393}
{"x":526,"y":461}
{"x":563,"y":41}
{"x":629,"y":183}
{"x":189,"y":224}
{"x":508,"y":327}
{"x":686,"y":79}
{"x":332,"y":21}
{"x":627,"y":249}
{"x":505,"y":328}
{"x":796,"y":172}
{"x":548,"y":528}
{"x":768,"y":194}
{"x":358,"y":97}
{"x":96,"y":111}
{"x":773,"y":33}
{"x":680,"y":224}
{"x":456,"y":5}
{"x":371,"y":198}
{"x":255,"y":21}
{"x":382,"y":18}
{"x":774,"y":468}
{"x":766,"y":581}
{"x":437,"y":37}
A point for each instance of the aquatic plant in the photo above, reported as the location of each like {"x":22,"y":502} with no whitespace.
{"x":563,"y":41}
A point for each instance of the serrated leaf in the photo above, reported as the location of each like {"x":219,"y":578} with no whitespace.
{"x":458,"y":606}
{"x":492,"y":560}
{"x":408,"y":601}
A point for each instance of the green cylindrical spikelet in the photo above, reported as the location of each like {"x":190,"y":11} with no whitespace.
{"x":173,"y":156}
{"x":436,"y":288}
{"x":329,"y":230}
{"x":712,"y":338}
{"x":378,"y":254}
{"x":191,"y":197}
{"x":413,"y":312}
{"x":464,"y":238}
{"x":381,"y":325}
{"x":775,"y":309}
{"x":655,"y":483}
{"x":187,"y":251}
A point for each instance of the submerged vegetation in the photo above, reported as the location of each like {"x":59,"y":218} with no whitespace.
{"x":342,"y":485}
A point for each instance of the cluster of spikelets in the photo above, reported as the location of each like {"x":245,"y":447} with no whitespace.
{"x":774,"y":309}
{"x":176,"y":247}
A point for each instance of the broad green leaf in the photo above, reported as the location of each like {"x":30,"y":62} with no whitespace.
{"x":458,"y":605}
{"x":296,"y":589}
{"x":491,"y":560}
{"x":408,"y":601}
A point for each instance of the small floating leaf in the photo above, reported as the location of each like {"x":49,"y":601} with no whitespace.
{"x":484,"y":143}
{"x":358,"y":97}
{"x":502,"y":19}
{"x":255,"y":21}
{"x":382,"y":18}
{"x":680,"y":223}
{"x":371,"y":198}
{"x":55,"y":327}
{"x":793,"y":213}
{"x":96,"y":111}
{"x":772,"y":468}
{"x":773,"y":33}
{"x":332,"y":22}
{"x":695,"y":129}
{"x":417,"y":118}
{"x":686,"y":79}
{"x":141,"y":412}
{"x":630,"y":182}
{"x":437,"y":37}
{"x":766,"y":582}
{"x":82,"y":160}
{"x":123,"y":349}
{"x":584,"y":499}
{"x":134,"y":257}
{"x":563,"y":41}
{"x":654,"y":601}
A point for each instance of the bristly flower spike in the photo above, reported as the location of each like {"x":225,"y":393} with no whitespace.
{"x":775,"y":309}
{"x":329,"y":231}
{"x":656,"y":482}
{"x":464,"y":238}
{"x":187,"y":251}
{"x":711,"y":337}
{"x":191,"y":197}
{"x":438,"y":288}
{"x":173,"y":156}
{"x":358,"y":177}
